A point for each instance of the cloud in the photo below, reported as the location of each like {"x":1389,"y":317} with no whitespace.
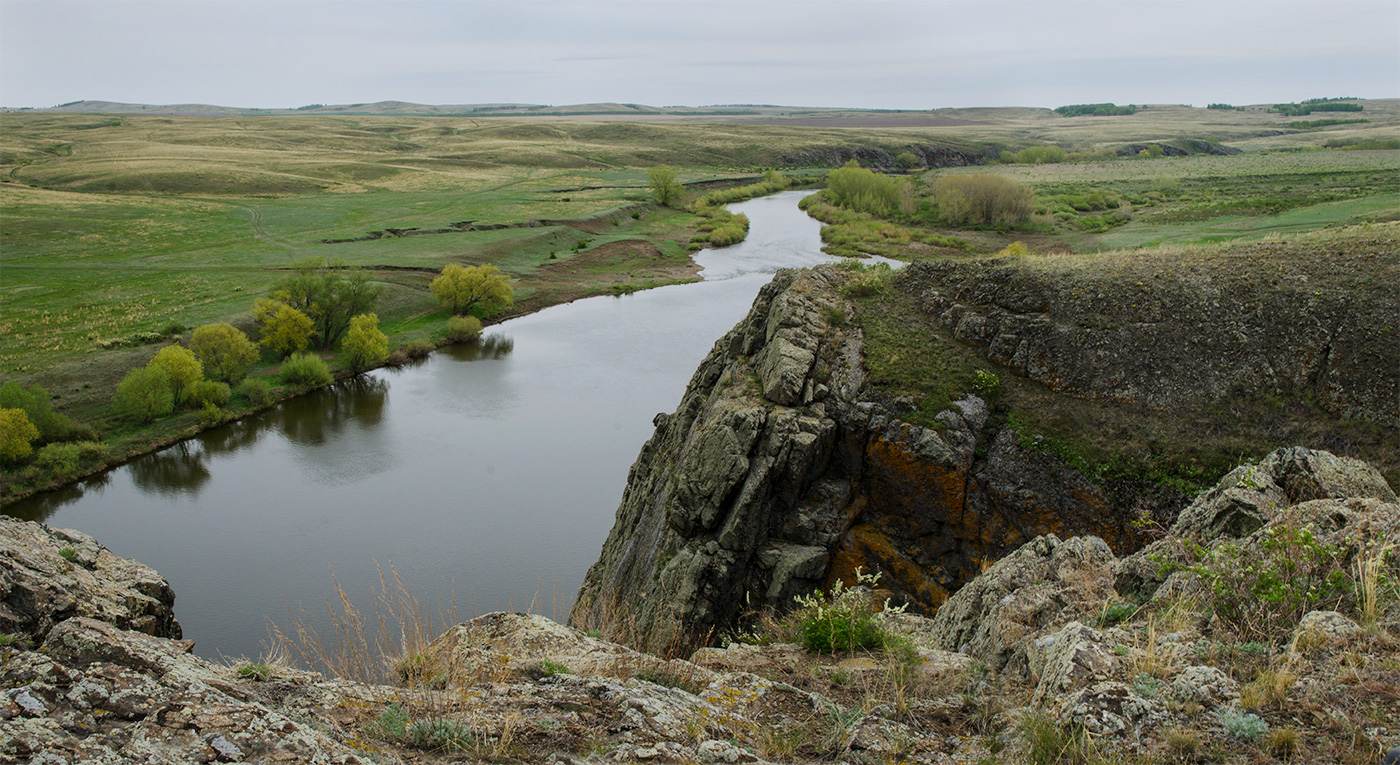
{"x":875,"y":53}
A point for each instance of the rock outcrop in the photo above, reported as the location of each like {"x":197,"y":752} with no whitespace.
{"x":49,"y":575}
{"x":781,"y":471}
{"x":1227,"y":332}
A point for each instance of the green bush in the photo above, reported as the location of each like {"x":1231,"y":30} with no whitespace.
{"x":460,"y":329}
{"x":256,"y":390}
{"x":1095,"y":110}
{"x":1241,"y":724}
{"x":17,"y":435}
{"x":35,"y":402}
{"x":305,"y":370}
{"x":64,"y":459}
{"x":1262,"y":591}
{"x":840,"y":621}
{"x":856,"y":188}
{"x":365,"y":342}
{"x":418,"y":349}
{"x":983,"y":200}
{"x":224,"y":350}
{"x":207,"y":392}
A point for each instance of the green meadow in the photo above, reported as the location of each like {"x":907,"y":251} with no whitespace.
{"x":120,"y":232}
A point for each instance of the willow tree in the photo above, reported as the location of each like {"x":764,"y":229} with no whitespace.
{"x":462,"y":288}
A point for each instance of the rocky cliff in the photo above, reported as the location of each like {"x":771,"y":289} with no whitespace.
{"x":1042,"y":653}
{"x":781,"y":470}
{"x":787,"y":467}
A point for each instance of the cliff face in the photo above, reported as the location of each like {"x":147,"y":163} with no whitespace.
{"x":779,"y":472}
{"x":1167,"y":335}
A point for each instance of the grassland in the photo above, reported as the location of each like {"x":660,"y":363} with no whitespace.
{"x":118,"y":229}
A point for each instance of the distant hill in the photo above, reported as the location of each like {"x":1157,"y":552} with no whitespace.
{"x":600,"y":111}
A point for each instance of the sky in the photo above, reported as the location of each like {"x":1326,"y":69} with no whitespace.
{"x":889,"y":54}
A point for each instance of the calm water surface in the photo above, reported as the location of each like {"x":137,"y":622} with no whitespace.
{"x":488,"y":474}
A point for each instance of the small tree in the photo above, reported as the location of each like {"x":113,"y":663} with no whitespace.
{"x":17,"y":434}
{"x":224,"y":350}
{"x":364,"y":342}
{"x":462,"y":288}
{"x":145,"y":393}
{"x":328,"y":293}
{"x":182,"y":367}
{"x":907,"y":160}
{"x":664,"y":185}
{"x":284,"y":329}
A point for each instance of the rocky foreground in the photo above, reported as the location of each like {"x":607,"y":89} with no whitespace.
{"x":1059,"y":652}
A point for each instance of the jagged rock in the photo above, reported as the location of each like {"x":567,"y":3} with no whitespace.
{"x":1108,"y":709}
{"x":1023,"y":593}
{"x":1206,"y":686}
{"x":40,"y":587}
{"x":1071,"y":658}
{"x":779,"y":473}
{"x":503,"y":646}
{"x":1282,"y":486}
{"x":747,"y":658}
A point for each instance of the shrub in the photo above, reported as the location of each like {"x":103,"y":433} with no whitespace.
{"x":460,"y":329}
{"x":418,"y":349}
{"x":1241,"y":724}
{"x":986,"y":200}
{"x":856,"y":188}
{"x":36,"y":404}
{"x":1261,"y":592}
{"x":68,"y":553}
{"x":365,"y":343}
{"x":440,"y":735}
{"x":182,"y":367}
{"x":260,"y":671}
{"x":211,"y":415}
{"x":208,"y":393}
{"x":224,"y":350}
{"x":145,"y":394}
{"x":256,"y":390}
{"x":1095,"y":110}
{"x":840,"y":621}
{"x":1015,"y":250}
{"x":986,"y":384}
{"x":59,"y":459}
{"x":17,"y":434}
{"x":305,"y":370}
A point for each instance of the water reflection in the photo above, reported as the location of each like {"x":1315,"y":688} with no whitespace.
{"x":171,"y":472}
{"x":316,"y":418}
{"x":39,"y":507}
{"x":489,"y":348}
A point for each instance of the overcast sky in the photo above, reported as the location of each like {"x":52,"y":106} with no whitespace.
{"x":868,"y":53}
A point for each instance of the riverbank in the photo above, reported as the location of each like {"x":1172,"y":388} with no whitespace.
{"x":626,"y":255}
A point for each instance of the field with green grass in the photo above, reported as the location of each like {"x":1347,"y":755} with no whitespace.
{"x":123,"y":231}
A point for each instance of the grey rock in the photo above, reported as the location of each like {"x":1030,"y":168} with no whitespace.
{"x":1204,"y":685}
{"x":40,"y":588}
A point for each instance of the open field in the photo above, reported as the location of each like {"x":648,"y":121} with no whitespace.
{"x":122,"y":228}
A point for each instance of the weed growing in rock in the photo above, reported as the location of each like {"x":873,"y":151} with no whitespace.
{"x":1048,"y":743}
{"x":840,"y":621}
{"x":258,"y":671}
{"x":1241,"y":724}
{"x":68,"y":554}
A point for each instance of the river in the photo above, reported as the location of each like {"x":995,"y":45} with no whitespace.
{"x":487,"y":475}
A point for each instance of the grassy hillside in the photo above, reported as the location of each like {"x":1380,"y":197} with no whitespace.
{"x":121,"y":231}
